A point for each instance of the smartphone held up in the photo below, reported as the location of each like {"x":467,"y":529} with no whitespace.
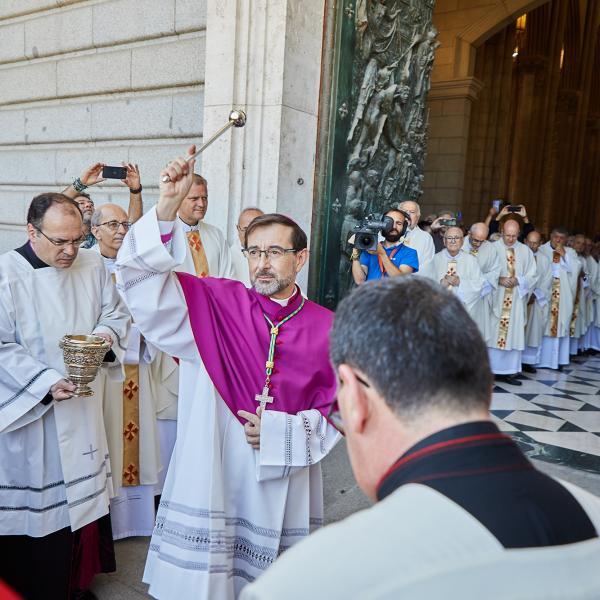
{"x":114,"y":172}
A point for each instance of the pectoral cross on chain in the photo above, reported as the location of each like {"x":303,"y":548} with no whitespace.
{"x":264,"y":398}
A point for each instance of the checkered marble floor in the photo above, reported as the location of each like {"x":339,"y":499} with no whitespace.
{"x":553,"y":415}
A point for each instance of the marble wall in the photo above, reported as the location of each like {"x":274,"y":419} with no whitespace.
{"x":83,"y":81}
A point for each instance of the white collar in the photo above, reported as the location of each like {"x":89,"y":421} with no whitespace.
{"x":187,"y":228}
{"x":284,"y":301}
{"x":450,"y":257}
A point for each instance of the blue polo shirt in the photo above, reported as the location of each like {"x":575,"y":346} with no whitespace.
{"x":404,"y":256}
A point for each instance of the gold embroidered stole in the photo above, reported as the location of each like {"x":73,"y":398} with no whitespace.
{"x":575,"y":308}
{"x":198,"y":254}
{"x":554,"y":299}
{"x":507,"y":302}
{"x":131,"y":429}
{"x":473,"y":252}
{"x":131,"y":420}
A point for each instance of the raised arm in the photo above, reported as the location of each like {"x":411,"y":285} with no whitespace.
{"x":153,"y":247}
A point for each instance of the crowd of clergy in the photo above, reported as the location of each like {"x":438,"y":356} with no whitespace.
{"x":535,"y":297}
{"x":145,"y":469}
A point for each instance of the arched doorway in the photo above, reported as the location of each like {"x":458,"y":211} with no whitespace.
{"x":524,"y":127}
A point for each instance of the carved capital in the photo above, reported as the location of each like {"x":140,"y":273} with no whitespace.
{"x":469,"y":87}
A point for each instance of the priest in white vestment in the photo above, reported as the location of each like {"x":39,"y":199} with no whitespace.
{"x":457,"y":271}
{"x":538,"y":305}
{"x":459,"y":511}
{"x":593,"y":272}
{"x":244,"y":482}
{"x":130,"y":406}
{"x":238,"y":260}
{"x":477,"y":245}
{"x":565,"y":275}
{"x":509,"y":304}
{"x":415,"y":237}
{"x":580,"y":320}
{"x":207,"y":252}
{"x":55,"y":472}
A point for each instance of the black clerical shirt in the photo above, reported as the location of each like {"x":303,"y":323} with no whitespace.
{"x":484,"y":471}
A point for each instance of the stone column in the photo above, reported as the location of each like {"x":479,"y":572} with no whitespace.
{"x":263,"y":56}
{"x":449,"y":117}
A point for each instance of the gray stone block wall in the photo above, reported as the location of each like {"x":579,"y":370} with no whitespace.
{"x":83,"y":81}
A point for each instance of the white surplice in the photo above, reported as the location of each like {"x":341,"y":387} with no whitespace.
{"x":227,"y":510}
{"x":471,"y":283}
{"x":555,"y":349}
{"x":55,"y":468}
{"x":538,"y":308}
{"x":422,"y":242}
{"x":490,"y":269}
{"x":505,"y":357}
{"x":132,"y":509}
{"x":239,"y":263}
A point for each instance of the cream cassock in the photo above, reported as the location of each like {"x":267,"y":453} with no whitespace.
{"x":55,"y":470}
{"x":555,"y":345}
{"x":538,"y":307}
{"x":490,"y":269}
{"x":422,"y":242}
{"x":467,"y":268}
{"x":505,"y":347}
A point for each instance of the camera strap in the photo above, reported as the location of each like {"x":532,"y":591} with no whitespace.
{"x":392,"y":254}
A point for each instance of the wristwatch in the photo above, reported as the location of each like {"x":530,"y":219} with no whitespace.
{"x":78,"y":186}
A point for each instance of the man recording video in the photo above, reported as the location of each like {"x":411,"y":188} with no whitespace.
{"x":390,"y":258}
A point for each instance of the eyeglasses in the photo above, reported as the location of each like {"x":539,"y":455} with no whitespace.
{"x":334,"y":416}
{"x":272,"y":253}
{"x":62,"y":243}
{"x":453,"y":239}
{"x":114,"y":225}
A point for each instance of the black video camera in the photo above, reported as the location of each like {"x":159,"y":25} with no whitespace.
{"x":366,"y":235}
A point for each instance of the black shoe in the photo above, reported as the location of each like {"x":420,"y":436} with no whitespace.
{"x":510,"y":379}
{"x":529,"y":368}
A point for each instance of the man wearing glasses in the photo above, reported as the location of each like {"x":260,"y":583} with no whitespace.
{"x":457,"y":271}
{"x":459,"y":511}
{"x":55,"y":482}
{"x":256,"y":383}
{"x":477,"y":245}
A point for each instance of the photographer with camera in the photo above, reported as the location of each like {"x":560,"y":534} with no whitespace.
{"x":389,"y":258}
